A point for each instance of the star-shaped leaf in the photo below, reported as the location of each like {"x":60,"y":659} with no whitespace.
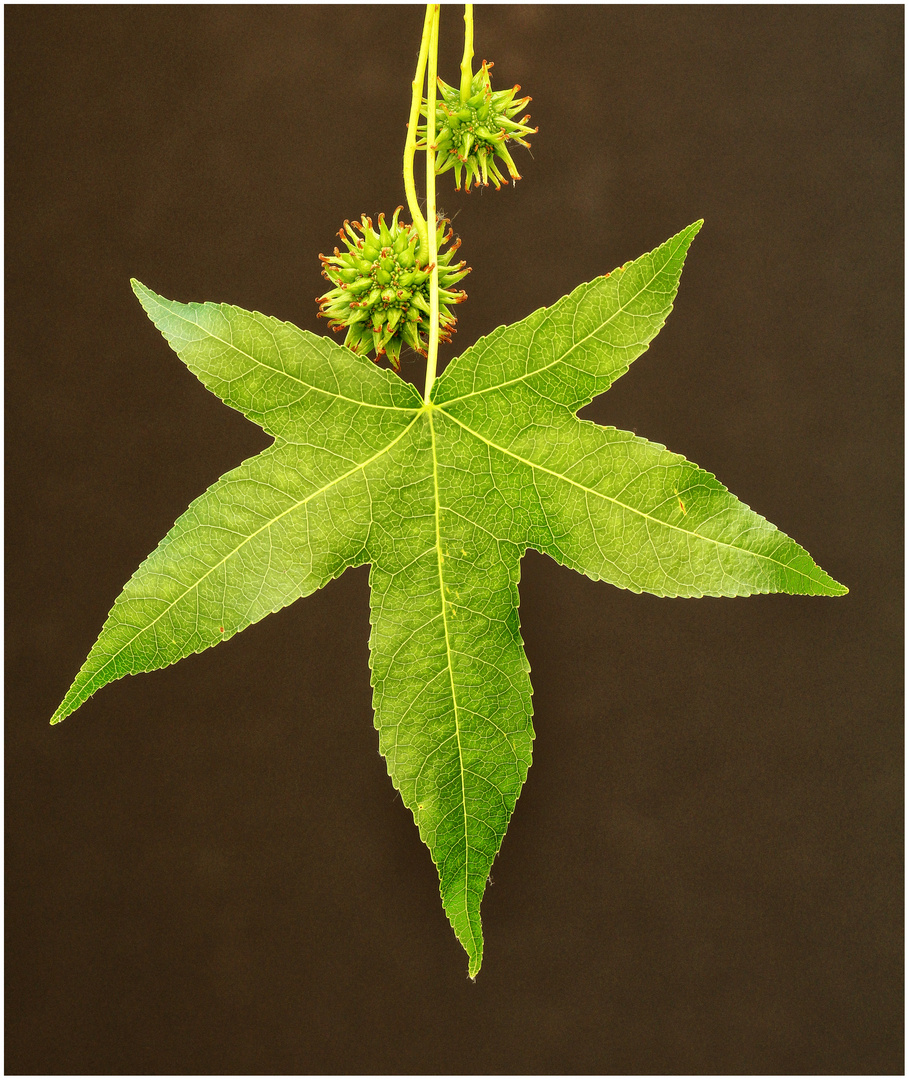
{"x":441,"y":499}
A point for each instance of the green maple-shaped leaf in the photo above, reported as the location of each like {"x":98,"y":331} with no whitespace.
{"x":442,"y":500}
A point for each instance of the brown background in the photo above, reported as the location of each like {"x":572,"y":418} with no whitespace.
{"x":208,"y":868}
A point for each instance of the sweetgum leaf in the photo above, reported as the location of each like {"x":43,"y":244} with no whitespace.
{"x":442,"y":500}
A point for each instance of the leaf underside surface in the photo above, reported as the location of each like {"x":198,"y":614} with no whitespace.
{"x":441,"y":500}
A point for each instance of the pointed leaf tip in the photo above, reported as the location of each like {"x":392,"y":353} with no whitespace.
{"x":686,"y":236}
{"x":688,"y":233}
{"x":60,"y":713}
{"x":144,"y":295}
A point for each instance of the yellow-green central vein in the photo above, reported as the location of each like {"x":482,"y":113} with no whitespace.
{"x":454,"y":696}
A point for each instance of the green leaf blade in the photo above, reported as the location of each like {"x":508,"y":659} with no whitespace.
{"x":620,"y":509}
{"x":574,"y":350}
{"x":451,"y":691}
{"x":286,"y":380}
{"x":257,"y":540}
{"x":441,"y":500}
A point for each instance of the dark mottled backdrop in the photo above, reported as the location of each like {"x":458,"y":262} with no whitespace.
{"x":208,"y":868}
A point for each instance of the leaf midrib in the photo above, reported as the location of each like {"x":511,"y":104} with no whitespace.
{"x":448,"y":657}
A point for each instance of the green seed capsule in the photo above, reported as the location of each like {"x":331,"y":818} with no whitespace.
{"x":481,"y":126}
{"x":380,"y":292}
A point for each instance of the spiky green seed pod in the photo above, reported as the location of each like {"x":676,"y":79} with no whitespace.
{"x":470,"y":135}
{"x":381,"y":287}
